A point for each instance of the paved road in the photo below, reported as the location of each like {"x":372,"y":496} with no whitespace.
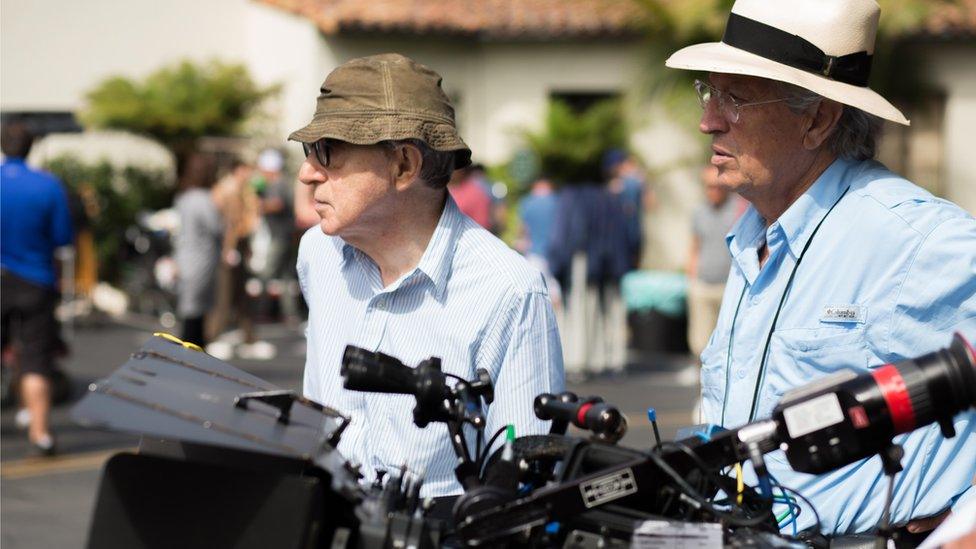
{"x":48,"y":502}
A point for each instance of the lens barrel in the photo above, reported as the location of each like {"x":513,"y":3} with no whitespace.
{"x":829,"y":425}
{"x":930,"y":388}
{"x":376,"y":372}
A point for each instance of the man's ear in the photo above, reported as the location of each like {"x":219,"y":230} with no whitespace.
{"x":822,"y":124}
{"x":406,"y":165}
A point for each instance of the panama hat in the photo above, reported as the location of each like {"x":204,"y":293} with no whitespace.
{"x":824,"y":46}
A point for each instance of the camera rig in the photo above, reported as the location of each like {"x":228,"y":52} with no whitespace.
{"x":228,"y":459}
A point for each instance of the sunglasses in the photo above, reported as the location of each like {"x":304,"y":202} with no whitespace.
{"x":322,"y":149}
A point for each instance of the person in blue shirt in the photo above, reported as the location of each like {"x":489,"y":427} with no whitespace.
{"x":838,"y":262}
{"x":537,"y":215}
{"x":395,"y":267}
{"x":34,"y":220}
{"x":627,"y":180}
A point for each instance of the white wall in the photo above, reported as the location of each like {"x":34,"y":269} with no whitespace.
{"x":952,"y":67}
{"x":52,"y":52}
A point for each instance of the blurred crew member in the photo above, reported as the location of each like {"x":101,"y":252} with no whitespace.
{"x":708,"y":259}
{"x":395,"y":267}
{"x":838,"y":262}
{"x":197,"y":249}
{"x":34,"y":220}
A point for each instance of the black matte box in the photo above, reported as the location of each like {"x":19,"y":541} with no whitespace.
{"x":153,"y":502}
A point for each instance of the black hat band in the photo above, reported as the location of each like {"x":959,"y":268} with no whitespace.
{"x":789,"y":49}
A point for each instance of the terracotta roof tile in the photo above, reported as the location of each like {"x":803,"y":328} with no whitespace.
{"x":540,"y":19}
{"x":492,"y":19}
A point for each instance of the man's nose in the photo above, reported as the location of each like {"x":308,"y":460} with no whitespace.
{"x":310,"y":173}
{"x":712,"y":119}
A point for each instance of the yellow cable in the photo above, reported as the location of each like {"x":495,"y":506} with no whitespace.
{"x":740,"y":484}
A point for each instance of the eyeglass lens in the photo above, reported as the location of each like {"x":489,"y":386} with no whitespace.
{"x":726,"y":105}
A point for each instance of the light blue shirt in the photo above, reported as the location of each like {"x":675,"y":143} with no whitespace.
{"x":905,"y":261}
{"x":471,"y":300}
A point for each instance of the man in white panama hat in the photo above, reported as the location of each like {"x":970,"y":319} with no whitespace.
{"x":838,"y":263}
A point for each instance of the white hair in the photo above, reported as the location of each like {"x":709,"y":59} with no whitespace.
{"x":857,"y":133}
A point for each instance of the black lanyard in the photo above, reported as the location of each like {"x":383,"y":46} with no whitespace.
{"x":769,"y":336}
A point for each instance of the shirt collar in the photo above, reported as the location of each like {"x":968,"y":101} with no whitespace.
{"x":435,"y":264}
{"x":802,"y":217}
{"x":437,"y":258}
{"x":796,"y":224}
{"x":744,"y":239}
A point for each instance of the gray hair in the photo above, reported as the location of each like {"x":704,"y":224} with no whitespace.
{"x":857,"y":133}
{"x":436,"y":167}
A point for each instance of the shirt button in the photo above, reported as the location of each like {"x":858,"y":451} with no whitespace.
{"x":742,"y":374}
{"x":381,"y":304}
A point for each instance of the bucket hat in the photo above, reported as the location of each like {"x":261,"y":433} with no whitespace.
{"x":824,"y":46}
{"x":385,"y":97}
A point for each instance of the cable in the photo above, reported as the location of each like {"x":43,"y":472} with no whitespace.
{"x":477,"y":450}
{"x":719,"y":480}
{"x":701,"y":500}
{"x":740,"y":483}
{"x":793,"y":508}
{"x":483,"y":457}
{"x":816,"y":515}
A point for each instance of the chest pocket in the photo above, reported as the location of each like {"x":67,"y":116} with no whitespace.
{"x":799,"y":356}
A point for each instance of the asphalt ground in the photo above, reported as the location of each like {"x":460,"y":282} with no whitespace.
{"x":47,"y":502}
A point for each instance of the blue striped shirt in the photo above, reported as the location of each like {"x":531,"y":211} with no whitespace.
{"x":903,"y":262}
{"x":471,"y":300}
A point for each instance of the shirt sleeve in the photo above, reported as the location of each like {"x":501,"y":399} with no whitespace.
{"x":524,"y":358}
{"x":937,"y":298}
{"x":938,"y":295}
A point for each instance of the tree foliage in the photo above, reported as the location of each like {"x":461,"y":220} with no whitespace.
{"x":570,"y":145}
{"x":177,"y":103}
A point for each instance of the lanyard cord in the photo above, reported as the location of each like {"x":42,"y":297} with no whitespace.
{"x":762,"y":364}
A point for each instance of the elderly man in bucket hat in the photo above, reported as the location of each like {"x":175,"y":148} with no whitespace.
{"x":838,"y":263}
{"x":395,"y":267}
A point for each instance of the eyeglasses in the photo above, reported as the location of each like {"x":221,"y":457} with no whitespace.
{"x":728,"y":105}
{"x":322,"y":149}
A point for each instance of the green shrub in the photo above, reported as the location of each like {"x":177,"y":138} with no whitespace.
{"x":570,"y":145}
{"x":112,"y":198}
{"x":178,"y":104}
